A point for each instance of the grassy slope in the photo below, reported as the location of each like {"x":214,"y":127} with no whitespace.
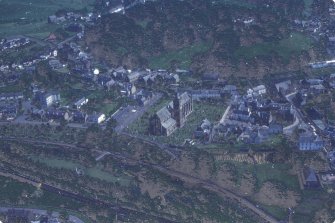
{"x":284,"y":48}
{"x":30,"y":17}
{"x":183,"y":56}
{"x":94,"y":172}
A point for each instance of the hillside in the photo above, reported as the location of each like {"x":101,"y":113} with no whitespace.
{"x":250,"y":37}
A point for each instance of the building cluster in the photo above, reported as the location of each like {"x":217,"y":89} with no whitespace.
{"x":13,"y":43}
{"x":72,"y":17}
{"x":252,"y":118}
{"x":50,"y":109}
{"x":9,"y":105}
{"x":28,"y":215}
{"x":165,"y":121}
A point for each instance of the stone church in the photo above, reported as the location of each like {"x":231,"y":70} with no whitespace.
{"x":173,"y":116}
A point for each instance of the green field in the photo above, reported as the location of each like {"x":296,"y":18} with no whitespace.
{"x":285,"y":48}
{"x":30,"y":17}
{"x":94,"y":172}
{"x":182,"y":57}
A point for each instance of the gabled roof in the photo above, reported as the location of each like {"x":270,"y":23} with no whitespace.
{"x":183,"y":98}
{"x":163,"y":114}
{"x":168,"y":123}
{"x":259,"y":88}
{"x":310,"y":175}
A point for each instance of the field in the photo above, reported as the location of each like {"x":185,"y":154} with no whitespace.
{"x":182,"y":57}
{"x":277,"y":174}
{"x":30,"y":17}
{"x":285,"y":48}
{"x":94,"y":172}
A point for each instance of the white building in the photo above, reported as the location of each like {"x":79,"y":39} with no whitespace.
{"x":96,"y":118}
{"x":51,"y":98}
{"x":83,"y":101}
{"x":257,"y":91}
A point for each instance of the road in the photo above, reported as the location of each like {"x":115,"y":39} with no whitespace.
{"x":103,"y":154}
{"x":288,"y":130}
{"x":128,"y":115}
{"x":225,"y":114}
{"x":204,"y":183}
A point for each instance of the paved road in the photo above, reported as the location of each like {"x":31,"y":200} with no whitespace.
{"x":225,"y":114}
{"x":288,"y":130}
{"x":130,"y":114}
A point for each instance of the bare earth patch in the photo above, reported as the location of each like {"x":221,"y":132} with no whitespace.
{"x":270,"y":194}
{"x":154,"y":189}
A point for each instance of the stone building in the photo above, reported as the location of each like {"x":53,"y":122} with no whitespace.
{"x":182,"y":108}
{"x":173,"y":116}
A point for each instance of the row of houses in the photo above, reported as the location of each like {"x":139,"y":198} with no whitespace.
{"x":72,"y":116}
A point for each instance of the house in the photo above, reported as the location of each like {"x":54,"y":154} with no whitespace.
{"x":55,"y":114}
{"x":143,"y":97}
{"x":120,"y":73}
{"x":310,"y":142}
{"x":55,"y":64}
{"x":318,"y":89}
{"x":314,"y":81}
{"x":148,"y":79}
{"x":261,"y":89}
{"x":96,"y":118}
{"x":257,"y":91}
{"x":53,"y":19}
{"x":275,"y":128}
{"x":230,"y":89}
{"x":205,"y":94}
{"x":211,"y":76}
{"x":240,"y":115}
{"x":204,"y":130}
{"x":284,"y":87}
{"x":78,"y":116}
{"x":133,"y":77}
{"x":18,"y":215}
{"x":331,"y":158}
{"x":11,"y":96}
{"x":248,"y":136}
{"x":81,"y":102}
{"x":263,"y":134}
{"x":173,"y":78}
{"x":310,"y":179}
{"x":50,"y":99}
{"x":117,"y":9}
